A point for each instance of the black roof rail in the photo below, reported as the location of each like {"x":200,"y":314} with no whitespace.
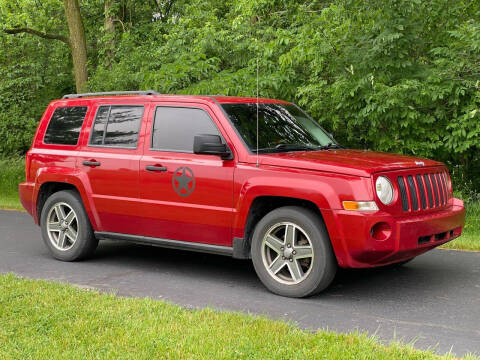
{"x":145,"y":92}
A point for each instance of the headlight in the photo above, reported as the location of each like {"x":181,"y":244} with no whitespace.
{"x":384,"y":190}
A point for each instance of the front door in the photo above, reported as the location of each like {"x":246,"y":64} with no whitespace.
{"x":110,"y":159}
{"x":185,"y":196}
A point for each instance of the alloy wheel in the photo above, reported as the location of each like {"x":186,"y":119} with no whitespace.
{"x":62,"y":226}
{"x":287,"y":253}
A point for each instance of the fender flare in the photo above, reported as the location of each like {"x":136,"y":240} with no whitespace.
{"x":324,"y":200}
{"x":68,"y":176}
{"x":259,"y":187}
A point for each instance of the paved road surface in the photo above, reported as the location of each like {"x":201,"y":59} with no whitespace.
{"x":434,"y":300}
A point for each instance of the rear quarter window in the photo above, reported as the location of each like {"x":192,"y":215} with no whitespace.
{"x":117,"y":126}
{"x":65,"y":125}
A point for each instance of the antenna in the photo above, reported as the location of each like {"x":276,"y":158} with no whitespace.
{"x":258,"y":164}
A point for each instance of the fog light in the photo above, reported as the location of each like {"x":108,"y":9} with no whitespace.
{"x":381,"y":231}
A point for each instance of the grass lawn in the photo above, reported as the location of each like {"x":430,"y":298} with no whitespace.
{"x":44,"y":320}
{"x":470,"y":239}
{"x":12,"y":172}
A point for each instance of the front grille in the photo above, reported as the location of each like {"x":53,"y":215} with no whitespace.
{"x":425,"y":191}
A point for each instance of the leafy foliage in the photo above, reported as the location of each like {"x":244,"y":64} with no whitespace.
{"x":399,"y":75}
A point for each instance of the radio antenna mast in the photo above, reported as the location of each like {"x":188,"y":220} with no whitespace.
{"x":258,"y":164}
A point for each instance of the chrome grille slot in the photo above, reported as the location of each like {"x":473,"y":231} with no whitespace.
{"x":440,"y":188}
{"x":421,"y":189}
{"x":413,"y":192}
{"x":444,"y":187}
{"x":403,"y":193}
{"x":429,"y":190}
{"x":435,"y":189}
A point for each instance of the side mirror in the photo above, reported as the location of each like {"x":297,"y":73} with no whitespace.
{"x":211,"y":145}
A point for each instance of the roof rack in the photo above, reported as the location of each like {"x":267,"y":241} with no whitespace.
{"x":146,"y":92}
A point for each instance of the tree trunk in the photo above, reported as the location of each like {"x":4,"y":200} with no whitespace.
{"x":78,"y":43}
{"x":109,"y":29}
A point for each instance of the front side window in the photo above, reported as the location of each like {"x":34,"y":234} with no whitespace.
{"x":65,"y":125}
{"x":117,"y":126}
{"x":281,"y":127}
{"x":174,"y":128}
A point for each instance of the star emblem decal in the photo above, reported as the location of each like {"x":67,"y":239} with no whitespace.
{"x":183,"y":181}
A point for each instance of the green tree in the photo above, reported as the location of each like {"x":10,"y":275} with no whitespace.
{"x":397,"y":75}
{"x":16,"y":22}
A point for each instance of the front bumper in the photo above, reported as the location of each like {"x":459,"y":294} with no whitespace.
{"x":356,"y":245}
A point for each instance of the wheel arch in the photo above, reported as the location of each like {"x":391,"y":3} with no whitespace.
{"x":261,"y":206}
{"x":49,"y":188}
{"x":50,"y":185}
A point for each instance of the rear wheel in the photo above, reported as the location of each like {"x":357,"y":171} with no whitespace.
{"x":66,"y":230}
{"x":291,"y":252}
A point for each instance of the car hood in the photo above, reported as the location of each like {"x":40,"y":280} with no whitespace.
{"x":345,"y":161}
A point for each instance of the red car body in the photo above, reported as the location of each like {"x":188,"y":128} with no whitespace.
{"x":121,"y":197}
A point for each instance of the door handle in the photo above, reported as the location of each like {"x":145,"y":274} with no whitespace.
{"x":156,"y":168}
{"x":92,"y":163}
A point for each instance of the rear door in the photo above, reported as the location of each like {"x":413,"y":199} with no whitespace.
{"x":110,"y":160}
{"x":185,"y":196}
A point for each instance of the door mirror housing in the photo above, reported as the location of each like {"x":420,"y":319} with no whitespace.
{"x":211,"y":145}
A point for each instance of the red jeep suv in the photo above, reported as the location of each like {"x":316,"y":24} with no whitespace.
{"x":190,"y":172}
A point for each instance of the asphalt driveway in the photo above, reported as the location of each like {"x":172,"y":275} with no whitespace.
{"x":434,"y":300}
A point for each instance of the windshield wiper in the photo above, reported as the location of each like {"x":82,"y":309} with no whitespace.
{"x":287,"y":147}
{"x":293,"y":147}
{"x":329,"y":146}
{"x":299,"y":147}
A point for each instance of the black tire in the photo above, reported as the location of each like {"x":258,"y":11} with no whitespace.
{"x":323,"y":265}
{"x":85,"y":243}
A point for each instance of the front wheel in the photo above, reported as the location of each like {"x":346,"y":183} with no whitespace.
{"x":291,"y":252}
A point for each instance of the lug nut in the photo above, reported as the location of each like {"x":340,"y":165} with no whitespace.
{"x":282,"y":248}
{"x":288,"y":245}
{"x":283,"y":257}
{"x":294,"y":252}
{"x":290,"y":259}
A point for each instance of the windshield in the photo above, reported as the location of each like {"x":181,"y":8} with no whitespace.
{"x":282,"y":127}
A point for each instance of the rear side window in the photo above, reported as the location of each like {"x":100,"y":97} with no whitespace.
{"x":174,"y":128}
{"x":65,"y":124}
{"x":117,"y":126}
